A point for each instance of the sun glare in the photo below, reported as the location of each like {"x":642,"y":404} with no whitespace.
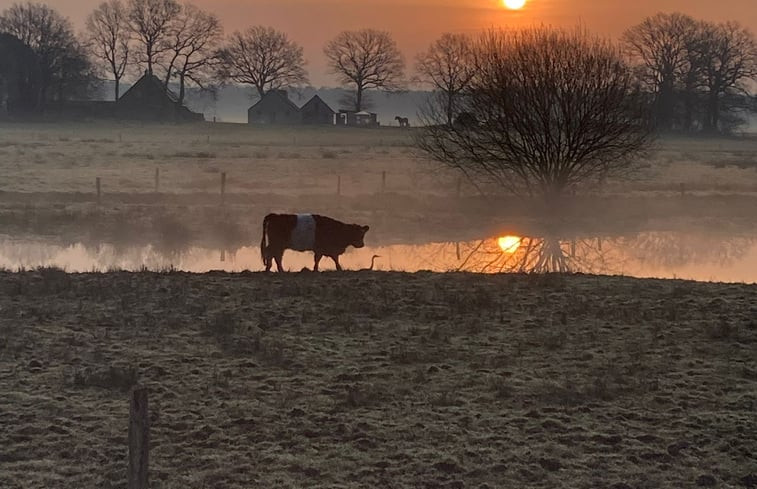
{"x":514,"y":4}
{"x":509,"y":244}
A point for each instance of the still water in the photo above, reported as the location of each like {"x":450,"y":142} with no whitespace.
{"x":694,"y":256}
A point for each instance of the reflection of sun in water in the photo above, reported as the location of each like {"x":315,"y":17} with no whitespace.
{"x":514,"y":4}
{"x":509,"y":244}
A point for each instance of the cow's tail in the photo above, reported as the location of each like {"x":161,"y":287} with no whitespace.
{"x":263,"y":244}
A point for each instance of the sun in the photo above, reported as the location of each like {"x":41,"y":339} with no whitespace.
{"x":514,"y":4}
{"x":509,"y":244}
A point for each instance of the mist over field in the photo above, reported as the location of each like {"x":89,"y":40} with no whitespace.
{"x":524,"y":257}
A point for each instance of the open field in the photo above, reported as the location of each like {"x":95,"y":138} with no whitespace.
{"x":48,"y":185}
{"x":379,"y":380}
{"x":365,"y":379}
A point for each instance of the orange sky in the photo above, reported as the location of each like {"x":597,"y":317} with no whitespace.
{"x":414,"y":23}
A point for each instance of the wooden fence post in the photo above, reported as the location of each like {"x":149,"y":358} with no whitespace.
{"x":99,"y":195}
{"x":157,"y":180}
{"x":338,"y":185}
{"x":139,"y":439}
{"x":223,"y":188}
{"x":383,"y":182}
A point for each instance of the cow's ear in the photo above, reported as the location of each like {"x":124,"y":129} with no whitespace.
{"x":365,"y":229}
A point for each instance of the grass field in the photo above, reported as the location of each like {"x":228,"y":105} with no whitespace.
{"x":364,"y":379}
{"x":379,"y":380}
{"x":369,"y":176}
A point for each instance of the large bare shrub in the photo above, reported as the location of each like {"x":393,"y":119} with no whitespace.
{"x":547,"y":110}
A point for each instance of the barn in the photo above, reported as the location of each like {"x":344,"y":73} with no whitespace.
{"x":316,"y":111}
{"x":148,"y":99}
{"x":274,"y":108}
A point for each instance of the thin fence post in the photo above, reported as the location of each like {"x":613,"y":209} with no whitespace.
{"x":157,"y":180}
{"x":383,"y":182}
{"x":338,"y":185}
{"x":223,"y":188}
{"x":99,"y":194}
{"x":139,"y":439}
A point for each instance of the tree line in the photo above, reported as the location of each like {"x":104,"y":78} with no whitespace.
{"x":179,"y":43}
{"x":696,"y":74}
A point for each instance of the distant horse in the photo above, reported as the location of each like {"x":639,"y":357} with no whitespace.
{"x":404,"y":122}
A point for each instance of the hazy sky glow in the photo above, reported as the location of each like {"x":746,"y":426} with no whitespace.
{"x":415,"y":23}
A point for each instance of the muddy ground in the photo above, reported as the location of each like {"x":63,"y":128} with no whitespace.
{"x":364,"y":379}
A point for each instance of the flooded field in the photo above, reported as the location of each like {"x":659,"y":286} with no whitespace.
{"x":704,"y":257}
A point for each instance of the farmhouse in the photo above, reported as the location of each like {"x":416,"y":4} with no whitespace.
{"x":274,"y":108}
{"x":316,"y":111}
{"x":149,"y":99}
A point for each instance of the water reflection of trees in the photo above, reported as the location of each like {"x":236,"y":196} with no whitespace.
{"x":538,"y":255}
{"x":675,"y":249}
{"x":607,"y":255}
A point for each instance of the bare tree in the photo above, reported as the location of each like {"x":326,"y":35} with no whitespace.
{"x":553,"y":110}
{"x":193,"y":42}
{"x":264,"y":58}
{"x":659,"y":45}
{"x":728,"y":55}
{"x":365,"y":59}
{"x":446,"y":66}
{"x":149,"y":21}
{"x":108,"y":38}
{"x":63,"y":65}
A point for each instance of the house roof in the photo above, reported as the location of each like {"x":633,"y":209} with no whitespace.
{"x":276,"y":96}
{"x":150,"y":82}
{"x":315,"y":99}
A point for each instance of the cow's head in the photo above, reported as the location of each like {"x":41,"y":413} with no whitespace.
{"x":358,"y":235}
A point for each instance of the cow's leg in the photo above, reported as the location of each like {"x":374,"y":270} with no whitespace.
{"x":278,"y":256}
{"x":317,"y":261}
{"x":336,"y":262}
{"x":267,"y":261}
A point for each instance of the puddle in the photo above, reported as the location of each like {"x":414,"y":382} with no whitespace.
{"x":652,"y":254}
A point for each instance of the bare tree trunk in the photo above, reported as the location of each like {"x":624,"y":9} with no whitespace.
{"x":182,"y":89}
{"x":118,"y":88}
{"x":359,"y":99}
{"x":450,"y":96}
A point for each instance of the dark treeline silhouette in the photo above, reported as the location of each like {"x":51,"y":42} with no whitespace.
{"x":53,"y":65}
{"x":695,"y":73}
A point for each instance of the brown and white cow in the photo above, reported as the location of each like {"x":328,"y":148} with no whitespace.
{"x":322,"y":235}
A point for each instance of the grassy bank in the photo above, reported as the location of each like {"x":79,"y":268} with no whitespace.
{"x":379,"y":380}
